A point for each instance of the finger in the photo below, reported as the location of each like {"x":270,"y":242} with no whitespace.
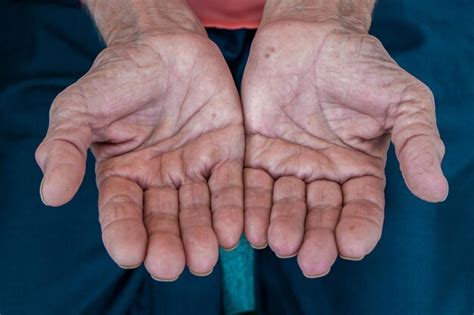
{"x":360,"y":224}
{"x":62,"y":155}
{"x":63,"y":164}
{"x":286,"y":229}
{"x":199,"y":239}
{"x":258,"y":202}
{"x":419,"y":147}
{"x":165,"y":259}
{"x":121,"y":220}
{"x":226,"y":189}
{"x":319,"y":250}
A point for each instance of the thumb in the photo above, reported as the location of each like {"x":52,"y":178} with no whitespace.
{"x":418,"y":145}
{"x":62,"y":154}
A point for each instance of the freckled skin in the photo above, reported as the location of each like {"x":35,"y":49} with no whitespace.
{"x":271,"y":50}
{"x":320,"y":112}
{"x":165,"y":125}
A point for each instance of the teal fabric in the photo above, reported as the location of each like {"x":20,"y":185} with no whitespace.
{"x":238,"y":278}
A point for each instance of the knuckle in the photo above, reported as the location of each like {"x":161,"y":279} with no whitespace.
{"x":119,"y":209}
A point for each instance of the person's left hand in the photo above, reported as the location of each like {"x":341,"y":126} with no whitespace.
{"x":321,"y":103}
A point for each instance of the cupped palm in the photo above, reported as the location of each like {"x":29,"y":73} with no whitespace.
{"x":164,"y":121}
{"x":321,"y":104}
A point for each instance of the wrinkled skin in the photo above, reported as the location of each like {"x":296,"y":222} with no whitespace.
{"x":164,"y":121}
{"x":321,"y":104}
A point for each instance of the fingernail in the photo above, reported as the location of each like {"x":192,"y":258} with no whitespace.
{"x":447,"y":193}
{"x":286,"y":257}
{"x":259,"y":247}
{"x":231,"y":248}
{"x":129,"y":267}
{"x":352,"y":258}
{"x":41,"y":192}
{"x":201,"y":274}
{"x":317,"y":276}
{"x":163,"y":280}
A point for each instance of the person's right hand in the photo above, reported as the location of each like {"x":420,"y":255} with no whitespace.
{"x":163,"y":119}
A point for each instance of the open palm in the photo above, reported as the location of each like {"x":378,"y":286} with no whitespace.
{"x":321,"y":104}
{"x":163,"y":119}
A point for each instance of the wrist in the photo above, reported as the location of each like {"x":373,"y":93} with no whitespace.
{"x":354,"y":15}
{"x":124,"y":21}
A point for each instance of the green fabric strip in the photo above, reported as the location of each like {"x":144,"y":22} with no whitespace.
{"x":238,"y":278}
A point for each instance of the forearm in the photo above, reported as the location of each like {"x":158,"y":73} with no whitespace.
{"x":356,"y":14}
{"x":128,"y":20}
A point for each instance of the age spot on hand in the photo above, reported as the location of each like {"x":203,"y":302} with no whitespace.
{"x":269,"y":52}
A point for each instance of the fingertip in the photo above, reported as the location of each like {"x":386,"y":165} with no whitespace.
{"x":163,"y":279}
{"x":283,"y":241}
{"x":126,"y":243}
{"x":357,"y":237}
{"x":432,"y":187}
{"x":129,"y":267}
{"x":229,"y":249}
{"x":439,"y":190}
{"x":316,"y":275}
{"x":285,"y":256}
{"x":201,"y":274}
{"x":352,"y":253}
{"x":256,"y":241}
{"x":256,"y":231}
{"x":258,"y":247}
{"x":420,"y":163}
{"x":39,"y":157}
{"x":228,"y":225}
{"x":41,"y":192}
{"x":60,"y":185}
{"x":165,"y":260}
{"x":317,"y":254}
{"x":201,"y":251}
{"x":351,"y":258}
{"x":446,"y":193}
{"x":229,"y":240}
{"x":354,"y":243}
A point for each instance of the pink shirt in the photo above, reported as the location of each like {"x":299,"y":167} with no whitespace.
{"x":230,"y":14}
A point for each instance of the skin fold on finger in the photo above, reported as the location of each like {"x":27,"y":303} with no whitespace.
{"x":165,"y":258}
{"x":361,"y":220}
{"x":199,"y":239}
{"x":286,"y":229}
{"x":258,"y":202}
{"x":226,"y":187}
{"x":319,"y":250}
{"x":121,"y":220}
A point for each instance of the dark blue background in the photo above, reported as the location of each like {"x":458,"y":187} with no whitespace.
{"x":52,"y":260}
